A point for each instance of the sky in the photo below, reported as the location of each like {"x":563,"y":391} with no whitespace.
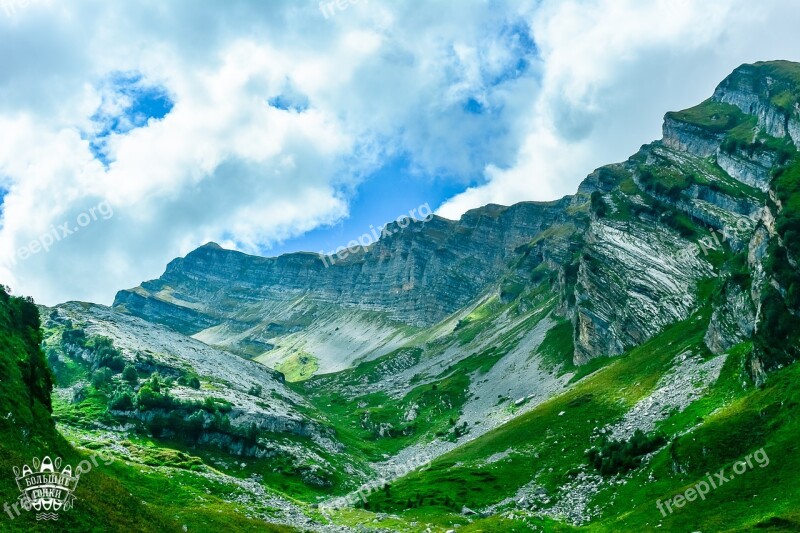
{"x":134,"y":132}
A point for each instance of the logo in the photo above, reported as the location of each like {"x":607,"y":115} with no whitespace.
{"x":45,"y":489}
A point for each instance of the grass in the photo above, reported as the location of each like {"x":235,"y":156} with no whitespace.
{"x":716,"y":117}
{"x":298,"y":367}
{"x":557,"y":348}
{"x":28,"y":431}
{"x":547,"y":442}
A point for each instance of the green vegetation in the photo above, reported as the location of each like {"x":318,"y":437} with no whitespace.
{"x":106,"y":505}
{"x":599,"y":206}
{"x":619,"y":456}
{"x":298,"y":367}
{"x":713,"y":116}
{"x":544,"y":438}
{"x":781,"y":305}
{"x":558,"y":348}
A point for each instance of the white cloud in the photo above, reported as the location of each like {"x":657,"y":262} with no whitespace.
{"x":459,"y":89}
{"x":611,"y":68}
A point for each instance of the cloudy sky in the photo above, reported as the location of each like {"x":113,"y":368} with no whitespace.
{"x":151,"y":127}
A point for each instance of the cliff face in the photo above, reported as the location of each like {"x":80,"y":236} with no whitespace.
{"x":767,"y":91}
{"x":413,"y":277}
{"x":417,"y":275}
{"x":634,"y":250}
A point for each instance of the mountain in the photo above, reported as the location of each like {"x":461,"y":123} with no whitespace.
{"x":611,"y":248}
{"x":551,"y":365}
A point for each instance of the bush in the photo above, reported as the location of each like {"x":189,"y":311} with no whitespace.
{"x":618,"y":456}
{"x":149,"y":398}
{"x":213,"y":405}
{"x":189,"y":381}
{"x":76,"y":337}
{"x":121,"y":401}
{"x":130,"y":375}
{"x":255,"y":390}
{"x":101,"y":378}
{"x":108,"y":356}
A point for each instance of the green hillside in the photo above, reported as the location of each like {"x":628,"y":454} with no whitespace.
{"x":112,"y":496}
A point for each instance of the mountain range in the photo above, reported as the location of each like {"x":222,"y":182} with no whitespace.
{"x":553,"y":366}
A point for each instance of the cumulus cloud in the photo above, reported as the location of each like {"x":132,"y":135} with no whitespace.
{"x":255,"y":122}
{"x":611,"y":69}
{"x":269,"y":116}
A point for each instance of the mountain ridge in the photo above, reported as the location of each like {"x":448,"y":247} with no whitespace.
{"x":556,"y":365}
{"x":452,"y":262}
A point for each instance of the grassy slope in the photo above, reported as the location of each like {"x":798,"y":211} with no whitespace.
{"x":733,"y":419}
{"x":725,"y":425}
{"x":109,"y":497}
{"x":438,"y":403}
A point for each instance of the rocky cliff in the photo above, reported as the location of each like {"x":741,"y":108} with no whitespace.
{"x":630,"y":253}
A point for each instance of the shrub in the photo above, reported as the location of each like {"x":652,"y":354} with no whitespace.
{"x":189,"y":381}
{"x":106,"y":355}
{"x":101,"y":378}
{"x":149,"y":398}
{"x":255,"y":390}
{"x":217,"y":405}
{"x":74,"y":336}
{"x":122,"y":400}
{"x":619,"y":456}
{"x":130,"y":375}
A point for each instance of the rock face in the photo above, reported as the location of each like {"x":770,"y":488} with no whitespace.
{"x":417,"y":275}
{"x":414,"y":276}
{"x":766,"y":91}
{"x":631,"y":284}
{"x":732,"y":322}
{"x":627,"y":254}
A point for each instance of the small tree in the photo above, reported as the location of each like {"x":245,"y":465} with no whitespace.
{"x":121,"y":401}
{"x":101,"y":378}
{"x":130,"y":374}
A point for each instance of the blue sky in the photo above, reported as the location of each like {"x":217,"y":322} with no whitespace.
{"x":389,"y":193}
{"x":128,"y":102}
{"x":270,"y":127}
